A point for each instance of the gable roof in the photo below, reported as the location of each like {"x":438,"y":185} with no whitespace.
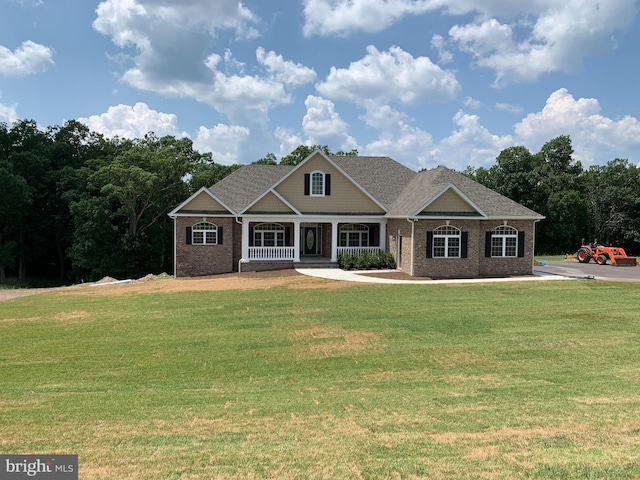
{"x":397,"y":189}
{"x":248,"y":183}
{"x":430,"y":184}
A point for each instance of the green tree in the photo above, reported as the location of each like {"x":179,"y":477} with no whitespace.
{"x":614,"y":201}
{"x":301,"y":152}
{"x":13,"y":202}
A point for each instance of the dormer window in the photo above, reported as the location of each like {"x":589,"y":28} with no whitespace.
{"x":317,"y":184}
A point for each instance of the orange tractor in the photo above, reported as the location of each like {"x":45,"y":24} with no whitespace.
{"x":601,"y":254}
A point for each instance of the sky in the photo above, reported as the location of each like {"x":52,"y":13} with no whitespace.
{"x":425,"y":82}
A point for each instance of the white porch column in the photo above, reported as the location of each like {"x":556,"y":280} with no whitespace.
{"x":296,"y":240}
{"x":334,"y":241}
{"x":245,"y":240}
{"x":383,"y":236}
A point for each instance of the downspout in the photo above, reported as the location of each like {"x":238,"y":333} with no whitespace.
{"x":239,"y":222}
{"x":413,"y":239}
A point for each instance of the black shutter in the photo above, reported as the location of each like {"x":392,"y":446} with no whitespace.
{"x":429,"y":244}
{"x":520,"y":244}
{"x":251,"y":237}
{"x":327,"y":184}
{"x":188,"y":239}
{"x":487,"y":244}
{"x":463,"y":247}
{"x":307,"y":183}
{"x":219,"y":235}
{"x":287,"y":236}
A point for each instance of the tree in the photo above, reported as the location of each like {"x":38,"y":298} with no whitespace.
{"x":13,"y":202}
{"x":301,"y":152}
{"x":269,"y":159}
{"x":131,"y":195}
{"x":614,"y":200}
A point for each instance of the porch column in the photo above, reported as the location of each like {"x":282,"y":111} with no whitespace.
{"x":334,"y":241}
{"x":383,"y":236}
{"x":296,"y":240}
{"x":245,"y":240}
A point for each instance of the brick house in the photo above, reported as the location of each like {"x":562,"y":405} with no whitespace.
{"x":436,"y":223}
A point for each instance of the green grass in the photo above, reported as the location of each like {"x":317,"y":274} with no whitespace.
{"x":514,"y":380}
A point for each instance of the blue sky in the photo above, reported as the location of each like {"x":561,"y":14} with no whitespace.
{"x":426,"y":82}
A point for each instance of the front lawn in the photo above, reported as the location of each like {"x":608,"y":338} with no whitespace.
{"x":501,"y":381}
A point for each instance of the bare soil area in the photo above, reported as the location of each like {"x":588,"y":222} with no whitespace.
{"x":165,"y":283}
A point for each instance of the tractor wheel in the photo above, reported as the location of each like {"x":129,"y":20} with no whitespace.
{"x":583,"y":255}
{"x":602,"y":260}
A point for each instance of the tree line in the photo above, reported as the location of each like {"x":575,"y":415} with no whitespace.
{"x":76,"y":206}
{"x":601,"y":202}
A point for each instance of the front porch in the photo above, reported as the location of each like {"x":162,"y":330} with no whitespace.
{"x":297,"y":241}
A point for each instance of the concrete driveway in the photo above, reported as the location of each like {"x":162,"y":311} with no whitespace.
{"x":575,"y":269}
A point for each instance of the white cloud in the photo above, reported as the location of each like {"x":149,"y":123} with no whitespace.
{"x":395,"y":75}
{"x":595,"y":138}
{"x":289,"y":140}
{"x":547,"y":37}
{"x":285,"y":71}
{"x":133,"y":122}
{"x":27,"y":59}
{"x":439,"y":44}
{"x":508,"y":107}
{"x":470,"y":144}
{"x":324,"y":126}
{"x":223,"y":141}
{"x":172,"y":42}
{"x":8,"y":113}
{"x":327,"y":17}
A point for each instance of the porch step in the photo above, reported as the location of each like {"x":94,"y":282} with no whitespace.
{"x":315,"y":264}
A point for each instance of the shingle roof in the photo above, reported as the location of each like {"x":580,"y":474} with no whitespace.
{"x":401,"y":190}
{"x":429,"y":183}
{"x":246,"y":184}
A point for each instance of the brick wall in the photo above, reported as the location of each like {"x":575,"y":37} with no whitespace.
{"x":196,"y":260}
{"x":475,"y":265}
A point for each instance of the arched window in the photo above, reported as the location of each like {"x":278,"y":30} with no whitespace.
{"x":317,"y":184}
{"x":504,"y":241}
{"x":354,"y":235}
{"x":204,"y":233}
{"x":268,"y":235}
{"x":446,"y":242}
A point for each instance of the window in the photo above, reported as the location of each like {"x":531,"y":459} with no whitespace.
{"x":317,"y":184}
{"x":446,"y":242}
{"x":204,"y":233}
{"x":268,"y":235}
{"x":354,"y":235}
{"x":504,"y":242}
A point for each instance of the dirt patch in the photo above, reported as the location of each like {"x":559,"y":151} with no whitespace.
{"x":166,"y":283}
{"x":329,"y":341}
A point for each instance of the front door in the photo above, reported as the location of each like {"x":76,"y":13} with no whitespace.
{"x":310,"y":240}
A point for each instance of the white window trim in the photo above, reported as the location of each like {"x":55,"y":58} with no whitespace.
{"x":446,"y":237}
{"x":207,"y":233}
{"x":503,"y":236}
{"x":278,"y":235}
{"x":322,"y":184}
{"x":349,"y":229}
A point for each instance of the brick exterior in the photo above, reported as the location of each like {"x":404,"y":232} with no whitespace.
{"x":197,"y":260}
{"x":475,"y":265}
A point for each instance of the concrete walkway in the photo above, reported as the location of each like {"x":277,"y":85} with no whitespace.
{"x":361,"y":276}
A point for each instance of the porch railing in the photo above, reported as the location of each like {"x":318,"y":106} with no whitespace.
{"x":271,"y":253}
{"x":357,"y":250}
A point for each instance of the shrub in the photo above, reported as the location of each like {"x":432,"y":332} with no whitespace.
{"x":365,"y":260}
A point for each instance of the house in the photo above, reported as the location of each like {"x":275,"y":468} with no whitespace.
{"x":436,"y":223}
